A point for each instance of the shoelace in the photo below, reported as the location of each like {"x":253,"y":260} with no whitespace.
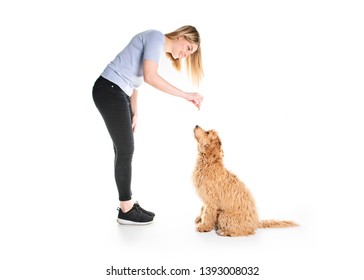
{"x":138,"y":208}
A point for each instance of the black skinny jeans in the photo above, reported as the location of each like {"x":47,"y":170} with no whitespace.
{"x":114,"y":105}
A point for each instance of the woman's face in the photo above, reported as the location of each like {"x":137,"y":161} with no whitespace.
{"x":182,"y":48}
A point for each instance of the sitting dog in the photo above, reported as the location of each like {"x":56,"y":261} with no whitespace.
{"x":228,"y":205}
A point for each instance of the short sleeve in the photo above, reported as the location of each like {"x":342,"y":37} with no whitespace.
{"x":153,"y":45}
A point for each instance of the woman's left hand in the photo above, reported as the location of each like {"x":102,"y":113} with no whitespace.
{"x":133,"y":122}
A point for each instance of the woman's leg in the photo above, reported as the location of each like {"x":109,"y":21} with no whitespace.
{"x":114,"y":106}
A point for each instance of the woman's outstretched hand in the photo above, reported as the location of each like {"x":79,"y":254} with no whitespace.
{"x":195,"y":98}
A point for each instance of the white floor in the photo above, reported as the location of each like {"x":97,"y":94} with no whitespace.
{"x":283,"y":87}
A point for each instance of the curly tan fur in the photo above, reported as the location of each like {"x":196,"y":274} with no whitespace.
{"x":228,"y":206}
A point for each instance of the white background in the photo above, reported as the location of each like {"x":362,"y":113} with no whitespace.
{"x":283,"y":87}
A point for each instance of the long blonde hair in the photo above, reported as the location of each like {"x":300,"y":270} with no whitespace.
{"x":194,"y":61}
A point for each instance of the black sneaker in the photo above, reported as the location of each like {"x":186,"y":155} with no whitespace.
{"x":135,"y":216}
{"x":136,"y":204}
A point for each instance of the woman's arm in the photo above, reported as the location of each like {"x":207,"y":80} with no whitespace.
{"x":134,"y":108}
{"x":152,"y":78}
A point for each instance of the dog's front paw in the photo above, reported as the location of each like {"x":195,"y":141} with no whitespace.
{"x":222,"y":233}
{"x":203,"y":228}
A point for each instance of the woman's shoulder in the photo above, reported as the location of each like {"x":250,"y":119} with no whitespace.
{"x":151,"y":36}
{"x":151,"y":33}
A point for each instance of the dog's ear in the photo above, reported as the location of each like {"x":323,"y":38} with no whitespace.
{"x":215,"y":147}
{"x":216,"y":138}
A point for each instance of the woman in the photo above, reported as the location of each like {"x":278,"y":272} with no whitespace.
{"x":115,"y":95}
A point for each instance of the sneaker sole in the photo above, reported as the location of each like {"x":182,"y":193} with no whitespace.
{"x":127,"y":222}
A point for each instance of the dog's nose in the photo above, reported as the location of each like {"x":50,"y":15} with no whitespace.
{"x":196,"y":126}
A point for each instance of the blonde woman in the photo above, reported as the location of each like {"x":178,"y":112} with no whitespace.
{"x":115,"y":95}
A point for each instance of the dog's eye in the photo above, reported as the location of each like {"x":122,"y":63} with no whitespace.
{"x":207,"y":132}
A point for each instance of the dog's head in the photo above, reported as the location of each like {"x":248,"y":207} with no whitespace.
{"x":209,"y":143}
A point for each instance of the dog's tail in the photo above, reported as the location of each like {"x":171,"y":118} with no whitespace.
{"x":276,"y":224}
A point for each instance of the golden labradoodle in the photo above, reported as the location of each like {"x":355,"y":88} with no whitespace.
{"x":228,"y":205}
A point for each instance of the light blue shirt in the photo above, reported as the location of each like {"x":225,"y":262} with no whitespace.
{"x":126,"y":70}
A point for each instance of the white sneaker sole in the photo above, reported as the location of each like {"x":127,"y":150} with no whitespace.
{"x":127,"y":222}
